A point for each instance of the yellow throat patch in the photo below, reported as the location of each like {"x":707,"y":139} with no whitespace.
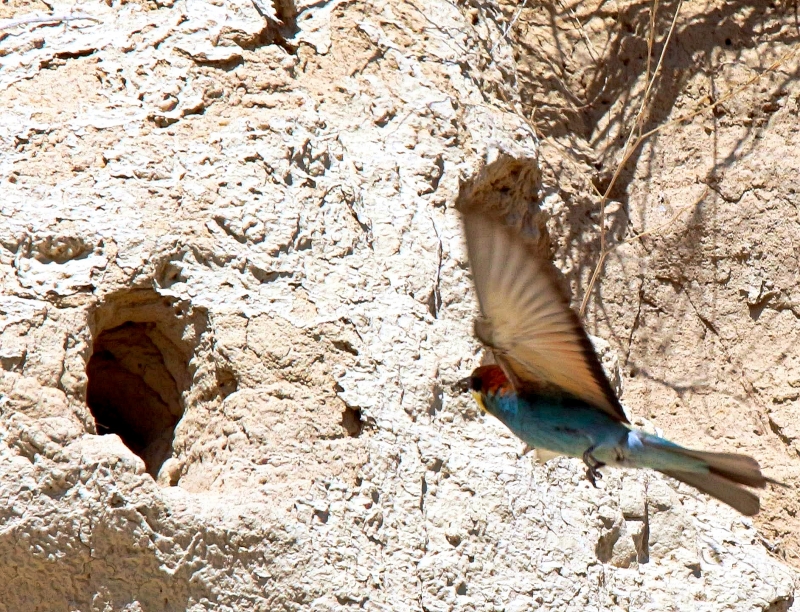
{"x":479,"y":399}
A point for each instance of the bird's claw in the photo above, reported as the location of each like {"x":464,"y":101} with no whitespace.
{"x":592,"y":466}
{"x":593,"y":475}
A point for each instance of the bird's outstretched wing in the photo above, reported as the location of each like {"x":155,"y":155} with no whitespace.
{"x":527,"y":322}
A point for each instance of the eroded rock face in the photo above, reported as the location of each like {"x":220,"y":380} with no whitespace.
{"x":235,"y":300}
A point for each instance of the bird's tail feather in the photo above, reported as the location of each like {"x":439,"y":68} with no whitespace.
{"x":725,"y":475}
{"x":740,"y":469}
{"x":723,"y":489}
{"x":721,"y":475}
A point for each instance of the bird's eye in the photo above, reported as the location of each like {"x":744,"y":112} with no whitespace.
{"x":475,"y":383}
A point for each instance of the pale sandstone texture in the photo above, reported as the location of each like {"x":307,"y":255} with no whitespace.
{"x":230,"y":228}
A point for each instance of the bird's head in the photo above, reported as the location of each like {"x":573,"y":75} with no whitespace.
{"x":486,"y":382}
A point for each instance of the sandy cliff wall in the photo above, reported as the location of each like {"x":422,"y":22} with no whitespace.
{"x":229,"y":227}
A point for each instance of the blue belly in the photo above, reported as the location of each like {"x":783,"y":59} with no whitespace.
{"x":569,"y":426}
{"x":564,"y":426}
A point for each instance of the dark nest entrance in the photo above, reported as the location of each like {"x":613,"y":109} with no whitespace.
{"x":138,"y":372}
{"x":132,"y":394}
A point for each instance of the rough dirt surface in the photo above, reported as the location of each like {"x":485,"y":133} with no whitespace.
{"x":229,"y":227}
{"x":705,"y":312}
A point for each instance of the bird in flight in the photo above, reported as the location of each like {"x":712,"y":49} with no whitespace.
{"x":548,"y":386}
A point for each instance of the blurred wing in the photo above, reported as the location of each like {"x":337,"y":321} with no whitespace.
{"x":527,"y":321}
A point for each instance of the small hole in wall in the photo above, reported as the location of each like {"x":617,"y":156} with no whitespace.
{"x":226,"y":381}
{"x":132,"y":393}
{"x":351,"y":421}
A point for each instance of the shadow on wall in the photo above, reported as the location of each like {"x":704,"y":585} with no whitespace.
{"x":582,"y":69}
{"x":573,"y":85}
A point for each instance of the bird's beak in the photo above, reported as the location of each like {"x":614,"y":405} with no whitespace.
{"x":462,"y":386}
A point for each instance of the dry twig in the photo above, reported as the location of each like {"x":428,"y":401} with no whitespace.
{"x":631,"y":145}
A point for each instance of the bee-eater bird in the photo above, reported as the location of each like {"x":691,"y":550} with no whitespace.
{"x":548,"y":386}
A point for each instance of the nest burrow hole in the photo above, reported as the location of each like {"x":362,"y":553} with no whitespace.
{"x":137,"y":375}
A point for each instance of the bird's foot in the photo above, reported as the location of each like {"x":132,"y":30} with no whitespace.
{"x":592,"y":466}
